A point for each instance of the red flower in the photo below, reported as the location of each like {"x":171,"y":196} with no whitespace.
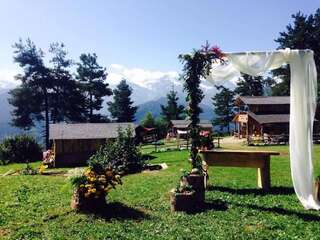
{"x":217,"y":51}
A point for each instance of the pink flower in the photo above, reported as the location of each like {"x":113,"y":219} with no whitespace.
{"x":217,"y":51}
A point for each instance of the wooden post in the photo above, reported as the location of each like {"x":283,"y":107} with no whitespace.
{"x":187,"y":141}
{"x":263,"y":176}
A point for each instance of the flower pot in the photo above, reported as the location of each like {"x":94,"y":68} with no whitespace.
{"x":197,"y":181}
{"x":81,"y":203}
{"x":184,"y":201}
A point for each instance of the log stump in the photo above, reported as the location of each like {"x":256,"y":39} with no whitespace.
{"x":81,"y":203}
{"x":184,"y":201}
{"x":318,"y":188}
{"x":197,"y":181}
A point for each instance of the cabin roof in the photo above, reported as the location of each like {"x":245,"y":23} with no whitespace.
{"x":270,"y":118}
{"x":264,"y":100}
{"x":186,"y":123}
{"x":87,"y":130}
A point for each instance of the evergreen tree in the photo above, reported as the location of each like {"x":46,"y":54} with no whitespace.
{"x":68,"y":104}
{"x":303,"y":33}
{"x":172,"y":111}
{"x":121,"y":108}
{"x":31,"y":99}
{"x":92,"y":76}
{"x":223,"y":103}
{"x":148,"y":121}
{"x":250,"y":86}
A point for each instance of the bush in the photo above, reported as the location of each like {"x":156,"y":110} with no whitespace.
{"x":20,"y":149}
{"x":122,"y":154}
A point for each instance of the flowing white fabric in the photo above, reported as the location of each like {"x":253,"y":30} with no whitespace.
{"x":303,"y":96}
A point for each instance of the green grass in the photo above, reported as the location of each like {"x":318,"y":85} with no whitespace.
{"x":37,"y":207}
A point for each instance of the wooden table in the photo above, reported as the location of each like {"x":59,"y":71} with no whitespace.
{"x":242,"y":158}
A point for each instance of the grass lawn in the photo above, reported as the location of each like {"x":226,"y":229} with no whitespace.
{"x":37,"y":207}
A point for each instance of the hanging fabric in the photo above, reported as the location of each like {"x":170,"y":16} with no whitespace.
{"x":303,"y":94}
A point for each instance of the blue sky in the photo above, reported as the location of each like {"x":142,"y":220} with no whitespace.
{"x":144,"y":34}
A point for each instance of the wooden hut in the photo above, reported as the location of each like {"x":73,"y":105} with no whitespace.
{"x":180,"y":128}
{"x":146,"y":135}
{"x":74,"y":144}
{"x":265,"y":118}
{"x":262,"y":115}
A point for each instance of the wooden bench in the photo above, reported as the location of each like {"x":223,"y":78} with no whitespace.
{"x":242,"y":158}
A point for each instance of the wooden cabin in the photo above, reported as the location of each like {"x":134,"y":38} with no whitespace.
{"x":146,"y":135}
{"x":180,"y":128}
{"x":74,"y":144}
{"x":260,"y":115}
{"x":264,"y":116}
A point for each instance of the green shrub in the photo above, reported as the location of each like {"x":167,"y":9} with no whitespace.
{"x":20,"y":149}
{"x":122,"y":154}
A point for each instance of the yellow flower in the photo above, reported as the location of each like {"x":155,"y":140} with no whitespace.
{"x":42,"y":168}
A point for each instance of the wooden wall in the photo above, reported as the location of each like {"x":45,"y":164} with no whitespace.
{"x":75,"y":152}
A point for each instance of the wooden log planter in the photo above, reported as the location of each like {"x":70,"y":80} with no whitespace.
{"x":197,"y":181}
{"x":81,"y":203}
{"x":182,"y":201}
{"x":318,"y":188}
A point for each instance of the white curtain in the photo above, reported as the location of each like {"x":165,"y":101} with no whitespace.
{"x":303,"y":94}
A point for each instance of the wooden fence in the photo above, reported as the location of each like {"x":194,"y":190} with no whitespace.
{"x":282,"y":139}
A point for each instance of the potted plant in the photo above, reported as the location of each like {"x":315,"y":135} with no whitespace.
{"x":91,"y":188}
{"x":182,"y":198}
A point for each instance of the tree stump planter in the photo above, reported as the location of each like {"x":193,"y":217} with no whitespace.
{"x":318,"y":188}
{"x":81,"y":203}
{"x":197,"y":181}
{"x":184,"y":201}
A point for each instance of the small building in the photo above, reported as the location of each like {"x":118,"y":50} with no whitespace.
{"x":262,"y":115}
{"x":266,"y":119}
{"x":146,"y":135}
{"x":74,"y":144}
{"x":180,"y":128}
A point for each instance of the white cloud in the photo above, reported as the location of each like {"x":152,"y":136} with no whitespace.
{"x":141,"y":77}
{"x":7,"y":79}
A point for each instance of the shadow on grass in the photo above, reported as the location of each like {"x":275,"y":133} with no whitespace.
{"x":120,"y":211}
{"x":278,"y":210}
{"x":215,"y":205}
{"x":247,"y":191}
{"x":147,"y":157}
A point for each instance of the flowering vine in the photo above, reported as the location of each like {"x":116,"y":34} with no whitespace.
{"x":196,"y":66}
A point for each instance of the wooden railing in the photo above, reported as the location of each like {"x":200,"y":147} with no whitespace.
{"x":281,"y":139}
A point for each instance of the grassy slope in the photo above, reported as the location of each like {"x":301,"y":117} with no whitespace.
{"x":236,"y":210}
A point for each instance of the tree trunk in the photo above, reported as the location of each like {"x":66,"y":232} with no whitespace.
{"x":46,"y":106}
{"x":91,"y":110}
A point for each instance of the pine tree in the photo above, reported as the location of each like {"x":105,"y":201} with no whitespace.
{"x":223,"y":103}
{"x":31,"y":99}
{"x":250,"y":86}
{"x":303,"y":33}
{"x":172,"y":111}
{"x":92,"y":76}
{"x":121,"y":108}
{"x":148,"y":121}
{"x":68,"y":104}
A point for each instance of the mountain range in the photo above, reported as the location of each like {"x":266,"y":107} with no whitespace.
{"x":148,"y":97}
